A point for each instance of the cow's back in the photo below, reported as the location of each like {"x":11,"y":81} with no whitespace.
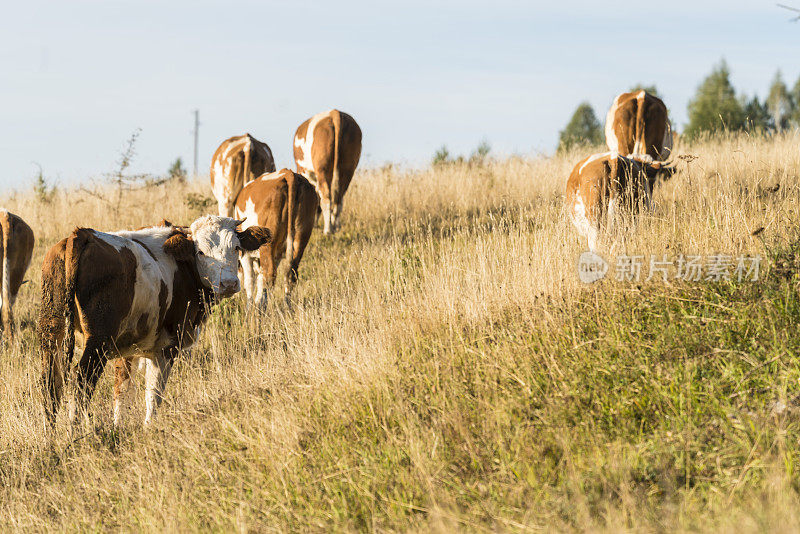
{"x":328,"y":143}
{"x":18,"y":240}
{"x":264,"y":202}
{"x":236,"y":161}
{"x":637,"y":124}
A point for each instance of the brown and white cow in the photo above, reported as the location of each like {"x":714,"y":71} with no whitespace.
{"x":326,"y":150}
{"x":17,"y":248}
{"x":285,"y":203}
{"x":603,"y":185}
{"x":142,"y":293}
{"x":237,"y":161}
{"x":637,"y":125}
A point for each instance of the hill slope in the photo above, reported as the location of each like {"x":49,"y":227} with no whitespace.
{"x":444,"y":368}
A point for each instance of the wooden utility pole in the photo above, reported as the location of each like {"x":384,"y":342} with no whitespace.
{"x":196,"y":136}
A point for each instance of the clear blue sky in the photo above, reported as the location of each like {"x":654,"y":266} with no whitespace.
{"x":78,"y":77}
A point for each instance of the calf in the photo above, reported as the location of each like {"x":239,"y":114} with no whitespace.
{"x":238,"y":160}
{"x":286,"y":204}
{"x":638,"y":125}
{"x":138,"y":293}
{"x":327,"y":148}
{"x":602,"y":184}
{"x":17,"y":248}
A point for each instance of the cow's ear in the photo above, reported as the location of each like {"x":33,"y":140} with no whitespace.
{"x":179,"y":246}
{"x":254,"y":237}
{"x":165,"y":222}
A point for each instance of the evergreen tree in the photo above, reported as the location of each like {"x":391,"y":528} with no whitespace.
{"x":715,"y":107}
{"x":779,"y":103}
{"x":757,"y":118}
{"x":796,"y":104}
{"x":582,"y":129}
{"x":176,"y":171}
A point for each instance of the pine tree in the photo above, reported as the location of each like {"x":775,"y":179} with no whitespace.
{"x":779,"y":103}
{"x":796,"y":104}
{"x":582,"y":129}
{"x":757,"y":116}
{"x":715,"y":107}
{"x":176,"y":171}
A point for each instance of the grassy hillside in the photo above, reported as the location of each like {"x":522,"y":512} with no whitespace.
{"x":444,"y":368}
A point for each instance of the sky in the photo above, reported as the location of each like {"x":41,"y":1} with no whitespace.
{"x":78,"y":78}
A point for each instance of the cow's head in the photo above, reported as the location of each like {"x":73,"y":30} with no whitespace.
{"x":657,"y":169}
{"x":213,"y":245}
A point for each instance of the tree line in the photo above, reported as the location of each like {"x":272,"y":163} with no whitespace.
{"x":715,"y":107}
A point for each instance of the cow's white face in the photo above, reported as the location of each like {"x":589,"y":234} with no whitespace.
{"x":217,"y":248}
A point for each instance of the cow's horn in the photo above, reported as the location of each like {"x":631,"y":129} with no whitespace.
{"x":238,"y":222}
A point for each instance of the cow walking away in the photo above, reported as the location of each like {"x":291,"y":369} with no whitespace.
{"x":603,"y":185}
{"x":130,"y":294}
{"x":327,"y":148}
{"x":638,"y":125}
{"x":285,"y":203}
{"x":237,"y":161}
{"x":17,"y":249}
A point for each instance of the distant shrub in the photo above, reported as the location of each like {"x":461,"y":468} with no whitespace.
{"x":478,"y":156}
{"x":176,"y":171}
{"x":441,"y":157}
{"x":43,"y":191}
{"x":199,"y":202}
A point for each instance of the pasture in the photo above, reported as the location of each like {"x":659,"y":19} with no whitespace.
{"x":443,"y":368}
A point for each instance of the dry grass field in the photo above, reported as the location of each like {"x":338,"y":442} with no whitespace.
{"x":444,"y":369}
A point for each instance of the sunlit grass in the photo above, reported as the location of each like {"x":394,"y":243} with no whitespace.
{"x":443,"y":367}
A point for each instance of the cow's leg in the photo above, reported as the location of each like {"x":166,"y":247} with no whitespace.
{"x":336,"y":211}
{"x":612,"y":215}
{"x":248,"y":275}
{"x":89,"y":370}
{"x":325,"y":205}
{"x":52,"y":373}
{"x":124,"y":371}
{"x":159,"y":367}
{"x":267,"y":274}
{"x":298,"y":247}
{"x":225,"y":208}
{"x":592,"y":236}
{"x":4,"y":322}
{"x":7,"y":312}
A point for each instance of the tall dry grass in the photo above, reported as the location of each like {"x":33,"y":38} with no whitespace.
{"x":448,"y":293}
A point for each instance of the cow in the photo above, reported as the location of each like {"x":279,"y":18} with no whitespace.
{"x":326,"y":150}
{"x":637,"y":125}
{"x":285,"y":203}
{"x":237,"y":161}
{"x":17,"y":249}
{"x":133,"y":293}
{"x":601,"y":185}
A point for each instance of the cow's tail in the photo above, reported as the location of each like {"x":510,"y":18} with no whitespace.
{"x":72,"y":255}
{"x":5,"y":222}
{"x":291,"y":182}
{"x":640,"y":141}
{"x":248,"y":148}
{"x":56,"y":318}
{"x":608,"y":194}
{"x":336,"y":117}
